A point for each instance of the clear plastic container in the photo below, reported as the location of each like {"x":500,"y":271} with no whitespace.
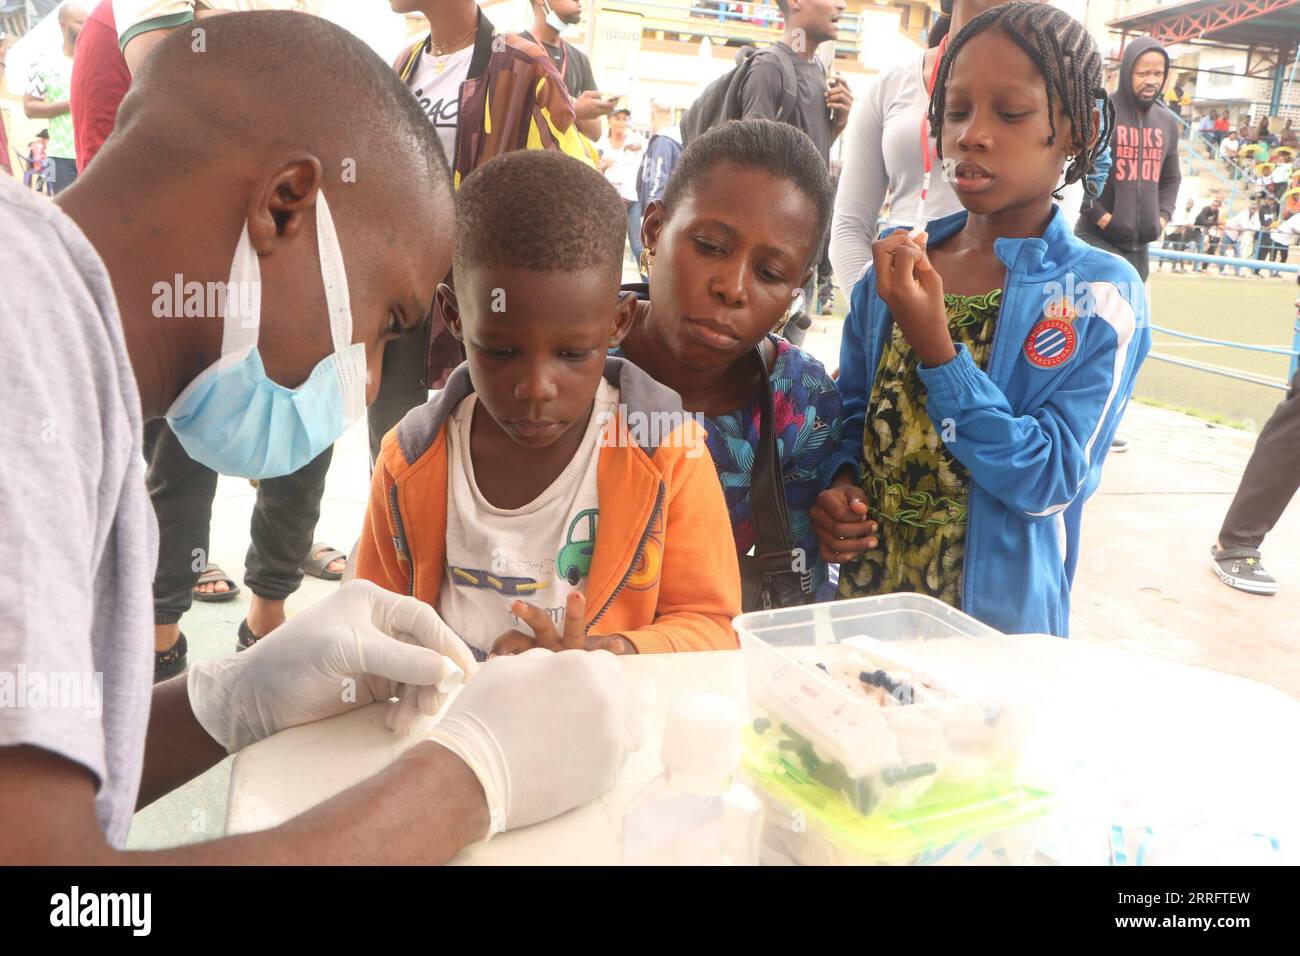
{"x":860,"y":711}
{"x":997,"y":829}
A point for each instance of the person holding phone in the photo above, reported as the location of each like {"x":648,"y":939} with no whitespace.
{"x":550,"y":19}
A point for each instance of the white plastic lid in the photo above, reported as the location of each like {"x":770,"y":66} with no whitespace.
{"x":702,"y":737}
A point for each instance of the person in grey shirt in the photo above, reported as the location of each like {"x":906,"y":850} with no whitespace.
{"x":822,"y":104}
{"x":89,"y":349}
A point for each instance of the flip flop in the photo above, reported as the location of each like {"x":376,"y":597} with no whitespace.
{"x":213,"y":575}
{"x":319,"y":560}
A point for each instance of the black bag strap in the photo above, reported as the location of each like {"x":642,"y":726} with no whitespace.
{"x":720,"y":100}
{"x":773,"y":547}
{"x":789,"y":83}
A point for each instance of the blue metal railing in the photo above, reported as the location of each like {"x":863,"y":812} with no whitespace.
{"x":1236,"y":263}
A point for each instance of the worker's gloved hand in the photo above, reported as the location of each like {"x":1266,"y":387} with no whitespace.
{"x":543,"y":732}
{"x":359,"y":645}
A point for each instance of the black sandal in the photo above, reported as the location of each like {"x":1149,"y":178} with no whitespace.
{"x":246,"y":637}
{"x":167,"y":664}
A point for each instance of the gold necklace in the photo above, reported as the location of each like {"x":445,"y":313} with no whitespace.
{"x":440,"y":54}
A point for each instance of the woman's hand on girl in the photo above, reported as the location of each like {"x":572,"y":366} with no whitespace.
{"x":839,"y":519}
{"x":908,"y":283}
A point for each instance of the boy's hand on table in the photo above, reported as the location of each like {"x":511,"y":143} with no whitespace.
{"x":547,"y":636}
{"x":908,"y":284}
{"x":839,"y":519}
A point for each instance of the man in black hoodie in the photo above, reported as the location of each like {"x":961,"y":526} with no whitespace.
{"x":1139,"y":196}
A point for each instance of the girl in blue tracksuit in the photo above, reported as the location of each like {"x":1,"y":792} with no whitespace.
{"x":986,"y":362}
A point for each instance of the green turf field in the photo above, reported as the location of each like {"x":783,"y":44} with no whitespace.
{"x":1259,"y":311}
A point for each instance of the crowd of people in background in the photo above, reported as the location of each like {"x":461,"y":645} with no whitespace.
{"x":1263,"y":231}
{"x":1260,"y":166}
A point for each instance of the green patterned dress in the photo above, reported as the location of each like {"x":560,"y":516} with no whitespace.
{"x":916,"y":490}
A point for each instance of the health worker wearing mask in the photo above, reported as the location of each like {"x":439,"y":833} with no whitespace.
{"x":316,"y":270}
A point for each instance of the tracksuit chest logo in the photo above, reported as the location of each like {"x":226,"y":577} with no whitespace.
{"x":1052,"y":341}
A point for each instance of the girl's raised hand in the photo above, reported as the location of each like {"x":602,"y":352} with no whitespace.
{"x":913,"y":290}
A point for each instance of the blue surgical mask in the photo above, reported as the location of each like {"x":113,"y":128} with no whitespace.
{"x":553,"y":21}
{"x":239,"y":422}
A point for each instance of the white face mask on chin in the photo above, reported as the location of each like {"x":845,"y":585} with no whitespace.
{"x":553,"y":21}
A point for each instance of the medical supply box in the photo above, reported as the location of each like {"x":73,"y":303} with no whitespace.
{"x":873,"y":742}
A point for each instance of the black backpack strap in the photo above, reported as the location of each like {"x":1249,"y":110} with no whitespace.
{"x":789,"y":81}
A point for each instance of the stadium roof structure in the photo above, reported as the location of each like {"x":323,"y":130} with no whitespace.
{"x":1268,"y":30}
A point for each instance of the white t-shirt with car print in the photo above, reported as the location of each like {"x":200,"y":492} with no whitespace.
{"x":538,"y":553}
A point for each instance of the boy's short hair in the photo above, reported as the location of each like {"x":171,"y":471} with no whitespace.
{"x":539,"y":210}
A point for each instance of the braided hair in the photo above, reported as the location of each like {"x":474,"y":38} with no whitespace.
{"x":1065,"y":54}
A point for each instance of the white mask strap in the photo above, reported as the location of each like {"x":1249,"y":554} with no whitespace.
{"x":241,"y":311}
{"x":335,"y":276}
{"x":350,"y":359}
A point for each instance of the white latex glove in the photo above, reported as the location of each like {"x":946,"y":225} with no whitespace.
{"x":359,"y":645}
{"x":543,"y":732}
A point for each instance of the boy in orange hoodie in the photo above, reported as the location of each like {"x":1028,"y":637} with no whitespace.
{"x":550,"y":495}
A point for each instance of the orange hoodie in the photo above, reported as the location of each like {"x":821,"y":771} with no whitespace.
{"x":664,"y":572}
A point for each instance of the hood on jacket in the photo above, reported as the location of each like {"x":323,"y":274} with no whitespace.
{"x":1131,"y":53}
